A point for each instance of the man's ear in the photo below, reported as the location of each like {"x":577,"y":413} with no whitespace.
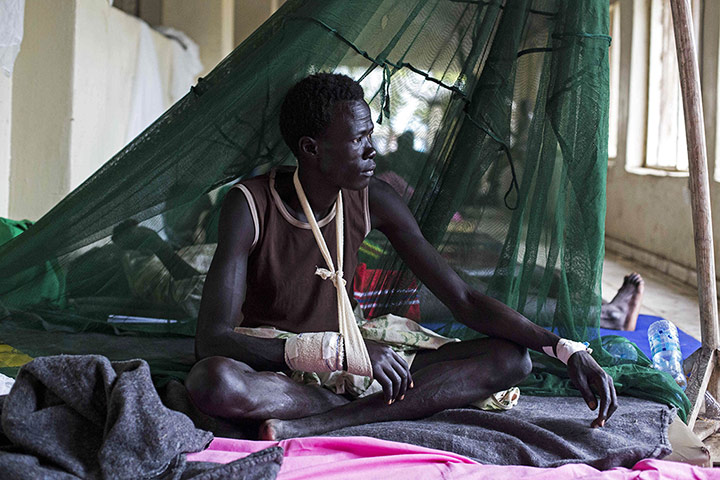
{"x":308,"y":147}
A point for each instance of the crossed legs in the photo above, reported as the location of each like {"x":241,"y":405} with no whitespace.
{"x":231,"y":390}
{"x":453,"y":376}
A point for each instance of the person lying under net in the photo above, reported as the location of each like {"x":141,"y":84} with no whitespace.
{"x":156,"y":272}
{"x":172,"y":272}
{"x":275,"y":321}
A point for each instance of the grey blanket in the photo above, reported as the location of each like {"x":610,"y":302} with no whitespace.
{"x":83,"y":417}
{"x":539,"y":431}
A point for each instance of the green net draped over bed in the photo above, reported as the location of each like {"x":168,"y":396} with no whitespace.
{"x":492,"y":123}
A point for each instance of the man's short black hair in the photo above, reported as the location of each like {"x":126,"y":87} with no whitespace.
{"x":309,"y":105}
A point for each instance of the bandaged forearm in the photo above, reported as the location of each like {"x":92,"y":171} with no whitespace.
{"x":315,"y":352}
{"x":565,"y":348}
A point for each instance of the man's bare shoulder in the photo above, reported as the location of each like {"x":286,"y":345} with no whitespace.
{"x":236,"y":229}
{"x":235,"y":202}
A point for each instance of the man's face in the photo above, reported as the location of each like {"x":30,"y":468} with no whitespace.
{"x":345,"y":149}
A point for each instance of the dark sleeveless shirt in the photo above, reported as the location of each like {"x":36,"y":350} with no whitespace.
{"x":282,"y":288}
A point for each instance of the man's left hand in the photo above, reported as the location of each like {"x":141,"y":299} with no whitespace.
{"x":592,"y":380}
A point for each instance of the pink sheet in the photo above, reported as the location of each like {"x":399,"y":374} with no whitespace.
{"x":348,"y":458}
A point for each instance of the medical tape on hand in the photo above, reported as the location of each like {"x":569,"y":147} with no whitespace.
{"x":565,"y":348}
{"x":315,"y":352}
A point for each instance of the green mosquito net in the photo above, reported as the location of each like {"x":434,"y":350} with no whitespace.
{"x":492,"y":123}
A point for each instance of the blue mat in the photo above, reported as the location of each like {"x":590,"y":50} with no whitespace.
{"x":688,"y":344}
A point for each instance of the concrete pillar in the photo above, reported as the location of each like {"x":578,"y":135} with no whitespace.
{"x":42,"y":109}
{"x":250,"y":14}
{"x":209,"y":23}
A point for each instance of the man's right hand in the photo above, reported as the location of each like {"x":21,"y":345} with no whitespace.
{"x":390,"y":370}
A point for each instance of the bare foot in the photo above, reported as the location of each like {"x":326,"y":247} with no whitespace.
{"x":270,"y":430}
{"x":622,"y":312}
{"x":275,"y":429}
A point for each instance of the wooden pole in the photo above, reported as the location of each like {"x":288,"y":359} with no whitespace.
{"x":700,"y":201}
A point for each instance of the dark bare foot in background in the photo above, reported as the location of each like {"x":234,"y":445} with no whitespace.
{"x":622,"y":311}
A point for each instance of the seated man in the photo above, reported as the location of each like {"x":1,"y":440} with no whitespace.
{"x":275,"y":266}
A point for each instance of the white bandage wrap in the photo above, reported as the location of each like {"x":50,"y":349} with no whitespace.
{"x":315,"y":352}
{"x":565,"y":348}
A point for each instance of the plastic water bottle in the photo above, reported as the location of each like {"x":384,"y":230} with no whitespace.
{"x":665,"y":349}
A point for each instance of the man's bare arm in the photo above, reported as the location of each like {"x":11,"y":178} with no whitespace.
{"x":224,"y":294}
{"x":390,"y":215}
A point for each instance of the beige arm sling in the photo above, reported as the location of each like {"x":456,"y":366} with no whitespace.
{"x":358,"y":360}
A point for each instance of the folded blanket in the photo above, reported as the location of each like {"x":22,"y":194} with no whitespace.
{"x":84,"y":417}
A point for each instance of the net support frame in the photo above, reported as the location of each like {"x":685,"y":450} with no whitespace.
{"x":704,"y":374}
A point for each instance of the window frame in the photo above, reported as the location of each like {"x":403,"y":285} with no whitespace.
{"x":634,"y":83}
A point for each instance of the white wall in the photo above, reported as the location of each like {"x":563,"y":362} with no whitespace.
{"x":209,"y":24}
{"x":42,"y":109}
{"x":250,"y":14}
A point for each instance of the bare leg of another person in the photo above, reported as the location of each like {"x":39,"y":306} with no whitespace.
{"x":622,"y":311}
